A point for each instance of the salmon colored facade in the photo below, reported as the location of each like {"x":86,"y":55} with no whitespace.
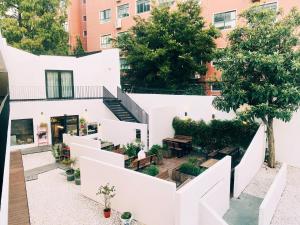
{"x":84,"y":21}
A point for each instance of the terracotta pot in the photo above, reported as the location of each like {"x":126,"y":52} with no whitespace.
{"x":106,"y":213}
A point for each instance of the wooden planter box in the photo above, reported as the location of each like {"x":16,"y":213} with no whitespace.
{"x":180,"y":177}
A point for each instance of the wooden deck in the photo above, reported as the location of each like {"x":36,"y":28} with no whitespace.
{"x":18,"y":212}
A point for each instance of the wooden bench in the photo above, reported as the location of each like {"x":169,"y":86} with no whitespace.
{"x":164,"y":175}
{"x":139,"y":164}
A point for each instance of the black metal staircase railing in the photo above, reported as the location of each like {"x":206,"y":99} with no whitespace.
{"x":4,"y":119}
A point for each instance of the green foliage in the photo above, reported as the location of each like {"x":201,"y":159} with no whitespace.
{"x":70,"y":171}
{"x":168,"y":49}
{"x":216,"y":134}
{"x":56,"y":151}
{"x":36,"y":26}
{"x":77,"y":173}
{"x":190,"y":169}
{"x":126,"y":215}
{"x":132,"y":149}
{"x":261,"y":66}
{"x":151,"y":170}
{"x":68,"y":162}
{"x":193,"y":160}
{"x":156,"y":150}
{"x":78,"y":49}
{"x":108,"y":193}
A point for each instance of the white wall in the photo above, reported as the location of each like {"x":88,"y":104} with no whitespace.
{"x":251,"y":162}
{"x":160,"y":124}
{"x":81,"y":140}
{"x":212,"y":187}
{"x":96,"y":110}
{"x":197,"y":107}
{"x":272,"y":198}
{"x":78,"y":150}
{"x":120,"y":132}
{"x":209,"y":216}
{"x":287,"y":140}
{"x":151,"y":200}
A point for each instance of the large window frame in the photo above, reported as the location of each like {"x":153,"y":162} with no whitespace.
{"x":105,"y":41}
{"x":143,"y":6}
{"x":60,"y":87}
{"x":22,"y":138}
{"x":227,"y":24}
{"x":270,"y":5}
{"x":123,"y":11}
{"x":105,"y":16}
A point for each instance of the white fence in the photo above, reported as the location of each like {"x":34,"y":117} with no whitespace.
{"x":251,"y":162}
{"x":272,"y":198}
{"x":151,"y":200}
{"x":212,"y":187}
{"x":122,"y":133}
{"x":208,"y":216}
{"x":81,"y":140}
{"x":104,"y":156}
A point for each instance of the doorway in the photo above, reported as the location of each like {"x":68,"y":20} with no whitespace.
{"x":63,"y":124}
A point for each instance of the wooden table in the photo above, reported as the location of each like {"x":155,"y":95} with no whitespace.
{"x":228,"y":150}
{"x":183,"y":141}
{"x":209,"y":163}
{"x":184,"y":144}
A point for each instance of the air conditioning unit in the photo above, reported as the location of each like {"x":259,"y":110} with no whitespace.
{"x":119,"y":23}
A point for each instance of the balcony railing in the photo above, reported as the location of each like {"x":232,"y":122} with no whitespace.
{"x":27,"y":93}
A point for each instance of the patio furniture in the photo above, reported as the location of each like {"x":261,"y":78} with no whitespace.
{"x":140,"y":164}
{"x":179,"y":146}
{"x":209,"y":163}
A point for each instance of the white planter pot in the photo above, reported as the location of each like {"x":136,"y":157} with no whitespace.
{"x":126,"y":221}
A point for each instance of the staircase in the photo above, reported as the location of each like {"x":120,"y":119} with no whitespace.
{"x":119,"y":110}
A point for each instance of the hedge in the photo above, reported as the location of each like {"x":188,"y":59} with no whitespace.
{"x":216,"y":134}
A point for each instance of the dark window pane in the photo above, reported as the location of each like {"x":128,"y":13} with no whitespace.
{"x":22,"y":132}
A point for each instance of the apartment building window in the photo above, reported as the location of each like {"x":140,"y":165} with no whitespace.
{"x":165,"y":2}
{"x":105,"y":16}
{"x":22,"y":132}
{"x":123,"y":11}
{"x":84,"y":18}
{"x":271,"y":5}
{"x":143,"y":6}
{"x":216,"y":86}
{"x":124,"y":66}
{"x":83,"y":1}
{"x":225,"y":20}
{"x":105,"y":41}
{"x":59,"y":84}
{"x":85,"y":33}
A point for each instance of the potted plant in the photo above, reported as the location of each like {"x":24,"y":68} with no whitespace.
{"x":56,"y":152}
{"x":126,"y":218}
{"x":108,"y":193}
{"x":70,"y":171}
{"x":77,"y":177}
{"x":158,"y":152}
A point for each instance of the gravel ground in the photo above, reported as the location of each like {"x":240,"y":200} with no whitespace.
{"x":262,"y":181}
{"x":288,"y":210}
{"x":54,"y":201}
{"x":35,"y":160}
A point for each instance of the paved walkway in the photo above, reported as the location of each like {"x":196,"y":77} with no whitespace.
{"x":18,"y":208}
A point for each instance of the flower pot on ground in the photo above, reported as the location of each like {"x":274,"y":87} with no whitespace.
{"x":108,"y":193}
{"x":126,"y":218}
{"x":70,"y":175}
{"x":77,"y":177}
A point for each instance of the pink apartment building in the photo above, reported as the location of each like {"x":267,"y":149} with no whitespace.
{"x":97,"y":21}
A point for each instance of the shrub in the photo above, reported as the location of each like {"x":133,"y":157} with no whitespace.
{"x":190,"y":169}
{"x":126,"y":215}
{"x":156,"y":150}
{"x":151,"y":170}
{"x":216,"y":134}
{"x":131,"y":149}
{"x":77,"y":173}
{"x":193,"y":160}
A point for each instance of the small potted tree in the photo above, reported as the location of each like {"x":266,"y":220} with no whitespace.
{"x":108,"y":193}
{"x":77,"y":177}
{"x":126,"y":218}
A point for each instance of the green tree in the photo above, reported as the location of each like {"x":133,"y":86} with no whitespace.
{"x":78,"y":49}
{"x":36,"y":26}
{"x":261,"y":69}
{"x":168,"y":49}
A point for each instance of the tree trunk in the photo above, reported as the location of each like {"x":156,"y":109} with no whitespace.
{"x":271,"y":143}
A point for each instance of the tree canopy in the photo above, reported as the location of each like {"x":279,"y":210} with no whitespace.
{"x":78,"y":49}
{"x":36,"y":26}
{"x":169,"y":48}
{"x":261,"y":69}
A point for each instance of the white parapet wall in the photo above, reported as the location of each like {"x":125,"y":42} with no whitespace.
{"x":272,"y":198}
{"x":211,"y":187}
{"x":81,"y":140}
{"x":209,"y":216}
{"x":151,"y":200}
{"x":120,"y":132}
{"x":78,"y":151}
{"x":250,"y":163}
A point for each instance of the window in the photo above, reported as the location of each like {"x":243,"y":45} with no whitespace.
{"x":143,"y":6}
{"x":105,"y":41}
{"x":85,"y":33}
{"x":22,"y":132}
{"x":84,"y":18}
{"x":138,"y":135}
{"x":272,"y":5}
{"x":83,"y":1}
{"x":123,"y":11}
{"x":225,"y":20}
{"x":59,"y":84}
{"x":123,"y":65}
{"x":165,"y":2}
{"x":92,"y":128}
{"x":105,"y":16}
{"x":216,"y":86}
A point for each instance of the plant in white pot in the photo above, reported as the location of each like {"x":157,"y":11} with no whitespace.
{"x":126,"y":218}
{"x":108,"y":193}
